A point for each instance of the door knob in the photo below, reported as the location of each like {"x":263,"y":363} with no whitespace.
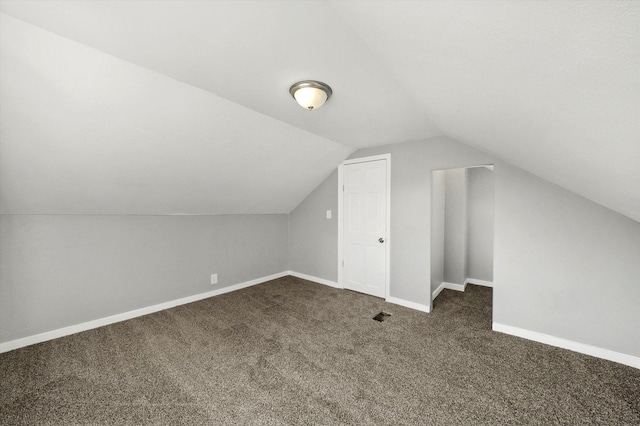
{"x":381,"y":240}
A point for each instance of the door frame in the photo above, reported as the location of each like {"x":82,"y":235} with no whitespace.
{"x":387,"y":237}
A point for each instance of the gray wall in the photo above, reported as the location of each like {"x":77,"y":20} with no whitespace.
{"x":480,"y":223}
{"x":437,"y":228}
{"x":455,"y":226}
{"x":61,"y":270}
{"x":563,"y":265}
{"x":313,"y":239}
{"x":411,"y":167}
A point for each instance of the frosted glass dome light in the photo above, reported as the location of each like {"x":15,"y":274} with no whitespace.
{"x":310,"y":94}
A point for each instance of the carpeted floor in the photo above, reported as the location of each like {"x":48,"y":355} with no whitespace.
{"x":294,"y":352}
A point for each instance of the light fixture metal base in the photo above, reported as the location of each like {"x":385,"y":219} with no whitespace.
{"x":308,"y":101}
{"x":310,"y":83}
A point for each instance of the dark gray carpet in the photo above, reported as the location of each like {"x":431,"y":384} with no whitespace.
{"x":294,"y":352}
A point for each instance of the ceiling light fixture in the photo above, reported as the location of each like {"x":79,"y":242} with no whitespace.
{"x":310,"y":94}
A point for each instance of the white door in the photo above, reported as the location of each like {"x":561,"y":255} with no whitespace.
{"x":365,"y":227}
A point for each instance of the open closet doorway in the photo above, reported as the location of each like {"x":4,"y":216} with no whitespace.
{"x":461,"y":229}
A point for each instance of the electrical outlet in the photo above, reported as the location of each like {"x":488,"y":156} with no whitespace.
{"x":328,"y":214}
{"x":214,"y":279}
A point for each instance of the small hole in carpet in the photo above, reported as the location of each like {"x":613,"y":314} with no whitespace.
{"x":381,"y":316}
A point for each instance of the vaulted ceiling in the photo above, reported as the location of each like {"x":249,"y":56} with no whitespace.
{"x":160,"y":107}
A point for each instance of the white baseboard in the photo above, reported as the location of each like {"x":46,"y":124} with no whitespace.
{"x":582,"y":348}
{"x":460,"y":287}
{"x":478,"y":282}
{"x":408,"y":304}
{"x":394,"y":300}
{"x":314,"y":279}
{"x":453,"y":286}
{"x":61,"y":332}
{"x":437,"y":291}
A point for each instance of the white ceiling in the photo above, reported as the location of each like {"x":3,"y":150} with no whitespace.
{"x":250,"y":53}
{"x":552,"y":87}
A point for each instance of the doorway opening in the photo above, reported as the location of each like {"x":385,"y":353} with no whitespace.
{"x":462,"y":237}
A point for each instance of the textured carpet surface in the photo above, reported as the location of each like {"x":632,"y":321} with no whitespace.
{"x":294,"y":352}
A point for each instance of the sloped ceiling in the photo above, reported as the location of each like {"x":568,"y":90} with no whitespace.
{"x":551,"y":87}
{"x":182,"y":106}
{"x":85,"y":133}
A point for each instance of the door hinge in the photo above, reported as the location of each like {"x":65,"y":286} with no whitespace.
{"x":343,"y":263}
